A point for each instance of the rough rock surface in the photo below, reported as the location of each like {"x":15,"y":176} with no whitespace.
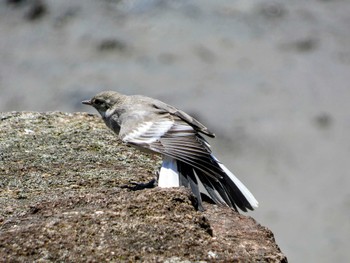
{"x":61,"y":200}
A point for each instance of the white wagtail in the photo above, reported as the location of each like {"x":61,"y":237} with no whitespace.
{"x":155,"y":126}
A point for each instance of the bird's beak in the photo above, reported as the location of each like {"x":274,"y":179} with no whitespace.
{"x":87,"y":102}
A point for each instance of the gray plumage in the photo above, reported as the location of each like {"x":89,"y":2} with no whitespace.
{"x":155,"y":126}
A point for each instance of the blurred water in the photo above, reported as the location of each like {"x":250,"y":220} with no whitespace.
{"x":269,"y":77}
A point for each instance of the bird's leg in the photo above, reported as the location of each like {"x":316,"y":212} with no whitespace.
{"x":141,"y":186}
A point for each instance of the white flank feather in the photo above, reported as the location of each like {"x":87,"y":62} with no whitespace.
{"x":168,"y":175}
{"x":148,"y":132}
{"x":248,"y":195}
{"x":141,"y":129}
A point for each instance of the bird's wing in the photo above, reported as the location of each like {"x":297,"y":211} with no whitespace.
{"x":173,"y":137}
{"x":183,"y":116}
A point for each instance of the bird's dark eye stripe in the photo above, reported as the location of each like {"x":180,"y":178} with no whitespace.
{"x":98,"y":101}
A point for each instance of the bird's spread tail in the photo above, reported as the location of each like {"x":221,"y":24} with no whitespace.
{"x":224,"y":188}
{"x":242,"y":188}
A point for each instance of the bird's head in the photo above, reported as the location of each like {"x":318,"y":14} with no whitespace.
{"x":104,"y":101}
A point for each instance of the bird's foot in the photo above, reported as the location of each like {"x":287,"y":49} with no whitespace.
{"x":140,"y":186}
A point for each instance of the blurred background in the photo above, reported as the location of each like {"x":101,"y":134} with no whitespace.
{"x":270,"y":78}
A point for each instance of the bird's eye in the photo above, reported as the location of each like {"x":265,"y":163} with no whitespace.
{"x":98,"y":102}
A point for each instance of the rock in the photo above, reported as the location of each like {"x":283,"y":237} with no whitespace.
{"x":61,"y":200}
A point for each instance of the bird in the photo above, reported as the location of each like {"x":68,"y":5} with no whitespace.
{"x":187,"y":159}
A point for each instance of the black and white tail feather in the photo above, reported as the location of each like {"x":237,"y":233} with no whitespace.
{"x":228,"y":190}
{"x":155,"y":126}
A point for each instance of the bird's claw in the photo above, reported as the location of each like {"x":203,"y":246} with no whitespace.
{"x":140,"y":186}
